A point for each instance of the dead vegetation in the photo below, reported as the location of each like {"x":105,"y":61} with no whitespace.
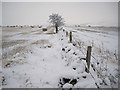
{"x":43,"y":43}
{"x":6,"y":44}
{"x":9,"y":57}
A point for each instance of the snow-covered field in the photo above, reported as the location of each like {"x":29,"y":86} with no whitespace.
{"x":32,"y":58}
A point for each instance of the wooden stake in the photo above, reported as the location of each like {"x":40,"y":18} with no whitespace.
{"x":66,"y":33}
{"x":88,"y":57}
{"x":70,"y":36}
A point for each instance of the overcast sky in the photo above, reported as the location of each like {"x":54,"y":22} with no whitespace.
{"x":37,"y":13}
{"x":0,"y":13}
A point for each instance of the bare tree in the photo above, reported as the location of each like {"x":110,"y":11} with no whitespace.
{"x":56,"y":20}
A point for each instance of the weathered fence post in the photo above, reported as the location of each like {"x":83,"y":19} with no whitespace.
{"x":66,"y":33}
{"x":88,"y":57}
{"x":70,"y":36}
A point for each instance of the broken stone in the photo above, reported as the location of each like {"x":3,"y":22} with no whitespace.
{"x":97,"y":63}
{"x":84,"y":76}
{"x":74,"y":68}
{"x":66,"y":80}
{"x":73,"y":82}
{"x":63,"y":49}
{"x":74,"y":44}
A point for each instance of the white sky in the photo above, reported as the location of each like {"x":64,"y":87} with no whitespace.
{"x":0,"y":13}
{"x":34,"y":13}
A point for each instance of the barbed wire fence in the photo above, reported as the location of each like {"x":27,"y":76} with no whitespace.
{"x":83,"y":48}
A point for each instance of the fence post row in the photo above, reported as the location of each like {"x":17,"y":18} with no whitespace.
{"x":88,"y":57}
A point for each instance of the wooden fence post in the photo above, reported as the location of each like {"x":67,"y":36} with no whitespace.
{"x":88,"y":57}
{"x":66,"y":33}
{"x":70,"y":36}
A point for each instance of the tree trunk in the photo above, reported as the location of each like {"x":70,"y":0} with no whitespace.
{"x":70,"y":36}
{"x":56,"y":27}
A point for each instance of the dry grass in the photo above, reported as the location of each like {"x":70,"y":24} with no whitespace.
{"x":6,"y":44}
{"x":14,"y":51}
{"x":9,"y":57}
{"x":43,"y":43}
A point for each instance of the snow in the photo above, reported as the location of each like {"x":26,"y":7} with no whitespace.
{"x":109,"y":39}
{"x":43,"y":59}
{"x":67,"y":85}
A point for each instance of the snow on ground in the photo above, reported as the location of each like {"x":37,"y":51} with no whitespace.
{"x":109,"y":38}
{"x":104,"y":42}
{"x":33,"y":58}
{"x":0,"y":57}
